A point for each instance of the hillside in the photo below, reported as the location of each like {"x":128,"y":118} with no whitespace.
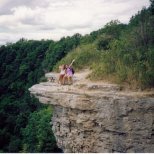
{"x":22,"y":64}
{"x":118,"y":53}
{"x":122,"y":54}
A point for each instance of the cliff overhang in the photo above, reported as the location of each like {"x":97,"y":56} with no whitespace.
{"x":98,"y":117}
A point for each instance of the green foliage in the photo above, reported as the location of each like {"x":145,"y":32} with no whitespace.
{"x":84,"y":56}
{"x":152,"y":6}
{"x":114,"y":28}
{"x":130,"y":58}
{"x":38,"y":136}
{"x":20,"y":68}
{"x":14,"y":113}
{"x":103,"y":42}
{"x":23,"y":64}
{"x":118,"y":52}
{"x":59,"y":49}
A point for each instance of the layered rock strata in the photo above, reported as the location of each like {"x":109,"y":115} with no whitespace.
{"x":98,"y":117}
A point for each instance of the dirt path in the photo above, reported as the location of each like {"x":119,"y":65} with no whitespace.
{"x":82,"y":83}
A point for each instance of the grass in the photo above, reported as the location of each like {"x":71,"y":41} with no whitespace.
{"x":85,"y":56}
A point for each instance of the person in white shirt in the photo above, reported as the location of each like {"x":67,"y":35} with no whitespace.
{"x":62,"y":74}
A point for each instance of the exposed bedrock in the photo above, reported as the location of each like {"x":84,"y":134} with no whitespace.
{"x":99,"y":117}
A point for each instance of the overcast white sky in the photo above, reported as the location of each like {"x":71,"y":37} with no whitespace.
{"x":53,"y":19}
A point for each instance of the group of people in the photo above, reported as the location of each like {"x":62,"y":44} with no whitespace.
{"x":66,"y":74}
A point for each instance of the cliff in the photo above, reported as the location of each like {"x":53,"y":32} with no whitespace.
{"x":98,"y":117}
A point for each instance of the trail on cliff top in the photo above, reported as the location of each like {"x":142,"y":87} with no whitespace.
{"x":82,"y":82}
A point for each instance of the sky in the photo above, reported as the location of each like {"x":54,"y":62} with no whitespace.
{"x":53,"y":19}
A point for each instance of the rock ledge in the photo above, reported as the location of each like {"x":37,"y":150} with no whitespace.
{"x":98,"y":117}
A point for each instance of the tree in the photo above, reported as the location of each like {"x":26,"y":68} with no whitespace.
{"x":38,"y":136}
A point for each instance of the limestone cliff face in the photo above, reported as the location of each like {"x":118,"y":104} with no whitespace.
{"x":98,"y":117}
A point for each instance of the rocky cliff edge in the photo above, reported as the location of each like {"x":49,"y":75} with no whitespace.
{"x":98,"y":116}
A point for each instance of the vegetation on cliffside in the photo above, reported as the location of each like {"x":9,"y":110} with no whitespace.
{"x":118,"y":52}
